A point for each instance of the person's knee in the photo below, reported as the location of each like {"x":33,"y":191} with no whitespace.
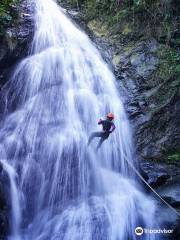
{"x":97,"y":134}
{"x":105,"y":137}
{"x":92,"y":135}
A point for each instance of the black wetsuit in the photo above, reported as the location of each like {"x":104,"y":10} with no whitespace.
{"x":108,"y":127}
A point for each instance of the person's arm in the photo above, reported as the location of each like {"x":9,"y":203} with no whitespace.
{"x":100,"y":121}
{"x":112,"y":128}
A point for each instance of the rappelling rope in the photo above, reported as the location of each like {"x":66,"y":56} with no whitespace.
{"x":141,"y":177}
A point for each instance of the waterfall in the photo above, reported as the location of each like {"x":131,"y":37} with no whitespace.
{"x":14,"y":196}
{"x":55,"y":97}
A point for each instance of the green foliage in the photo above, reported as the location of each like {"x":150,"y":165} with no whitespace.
{"x":7,"y":13}
{"x":94,"y":7}
{"x":173,"y":157}
{"x":156,"y":18}
{"x":166,"y":78}
{"x":170,"y":62}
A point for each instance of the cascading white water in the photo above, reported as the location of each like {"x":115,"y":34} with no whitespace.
{"x":68,"y":191}
{"x":14,"y":195}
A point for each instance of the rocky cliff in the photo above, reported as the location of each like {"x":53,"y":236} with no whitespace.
{"x":15,"y":36}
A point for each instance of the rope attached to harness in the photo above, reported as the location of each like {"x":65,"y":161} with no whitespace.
{"x":141,"y":177}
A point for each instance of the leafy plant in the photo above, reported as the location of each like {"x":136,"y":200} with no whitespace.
{"x":7,"y":13}
{"x":174,"y":157}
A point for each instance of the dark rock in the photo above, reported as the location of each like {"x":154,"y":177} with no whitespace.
{"x":161,"y":174}
{"x":170,"y":193}
{"x":170,"y":221}
{"x":144,"y":64}
{"x":159,"y":179}
{"x":15,"y":43}
{"x":165,"y":179}
{"x":157,"y":174}
{"x":176,"y":232}
{"x":173,"y":202}
{"x":4,"y":204}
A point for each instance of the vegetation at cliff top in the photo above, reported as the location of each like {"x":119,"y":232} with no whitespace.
{"x":7,"y":13}
{"x":132,"y":20}
{"x":156,"y":18}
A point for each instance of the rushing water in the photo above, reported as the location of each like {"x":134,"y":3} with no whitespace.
{"x":64,"y":189}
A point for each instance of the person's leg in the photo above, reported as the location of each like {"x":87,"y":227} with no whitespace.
{"x":100,"y":143}
{"x":93,"y":135}
{"x":103,"y":138}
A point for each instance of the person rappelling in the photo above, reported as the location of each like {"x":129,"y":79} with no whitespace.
{"x":108,"y":127}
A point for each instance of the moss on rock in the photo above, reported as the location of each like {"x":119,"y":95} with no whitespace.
{"x":173,"y":157}
{"x":98,"y":28}
{"x":8,"y":14}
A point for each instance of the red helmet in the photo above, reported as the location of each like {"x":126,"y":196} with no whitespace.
{"x":110,"y":116}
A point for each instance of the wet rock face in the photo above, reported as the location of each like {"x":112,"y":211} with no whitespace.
{"x":165,"y":178}
{"x":15,"y":42}
{"x":4,"y":204}
{"x":140,"y":58}
{"x":159,"y":174}
{"x":153,"y":112}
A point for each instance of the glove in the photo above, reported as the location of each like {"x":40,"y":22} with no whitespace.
{"x":100,"y":120}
